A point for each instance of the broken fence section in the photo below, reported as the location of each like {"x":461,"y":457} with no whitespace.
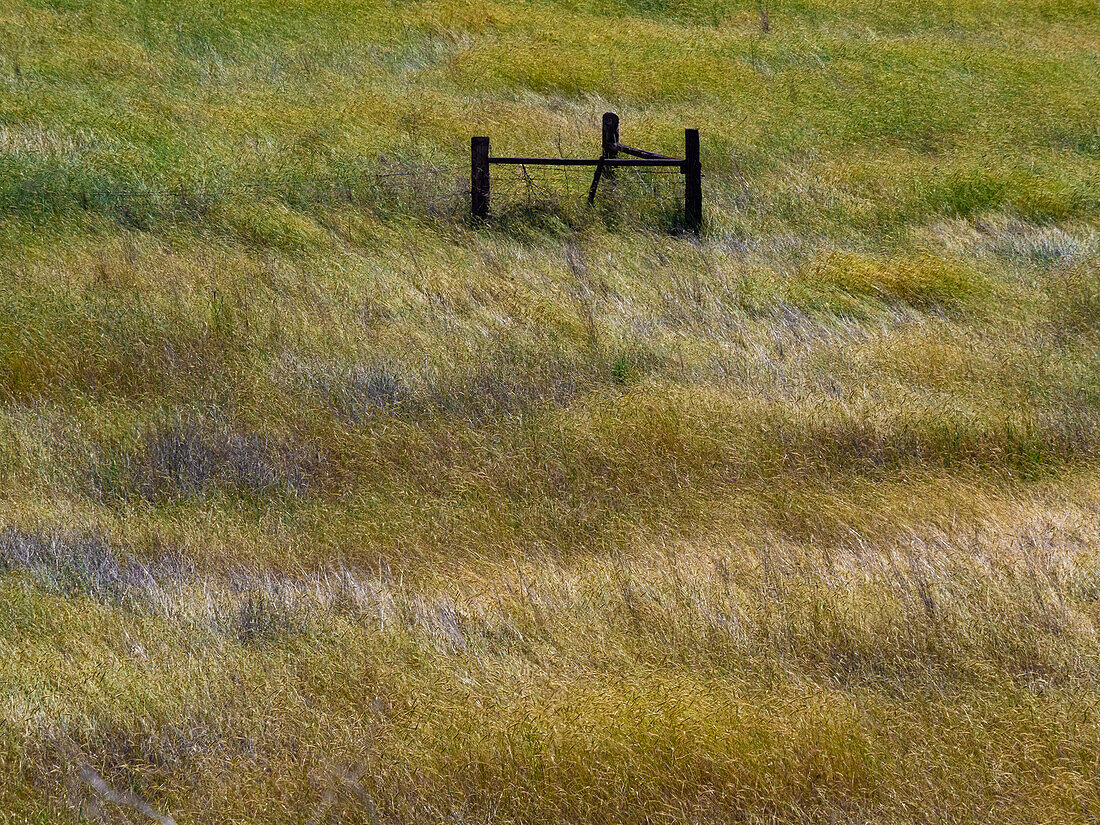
{"x":605,"y":165}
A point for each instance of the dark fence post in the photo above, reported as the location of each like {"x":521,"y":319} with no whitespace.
{"x":610,"y":150}
{"x":693,"y":183}
{"x":479,"y":178}
{"x":610,"y":138}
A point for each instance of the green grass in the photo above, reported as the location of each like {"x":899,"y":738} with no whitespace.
{"x":318,"y":504}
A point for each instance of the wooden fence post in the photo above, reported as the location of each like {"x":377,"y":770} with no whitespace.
{"x":693,"y":183}
{"x":610,"y":138}
{"x":479,"y":178}
{"x":610,"y":150}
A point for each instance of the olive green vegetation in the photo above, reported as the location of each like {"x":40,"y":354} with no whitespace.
{"x":320,"y":504}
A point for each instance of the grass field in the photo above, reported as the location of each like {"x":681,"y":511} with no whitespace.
{"x":319,"y":505}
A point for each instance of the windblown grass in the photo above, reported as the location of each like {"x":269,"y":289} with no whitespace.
{"x":320,"y":505}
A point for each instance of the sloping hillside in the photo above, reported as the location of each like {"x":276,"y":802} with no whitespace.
{"x":318,"y":504}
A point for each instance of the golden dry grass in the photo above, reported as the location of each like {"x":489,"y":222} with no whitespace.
{"x":318,"y":505}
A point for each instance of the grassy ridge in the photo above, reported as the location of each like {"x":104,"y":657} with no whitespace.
{"x":319,"y":505}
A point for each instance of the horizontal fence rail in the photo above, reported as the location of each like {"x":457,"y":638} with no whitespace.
{"x":689,"y":166}
{"x":589,"y":161}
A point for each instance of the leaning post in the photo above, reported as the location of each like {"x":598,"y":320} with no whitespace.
{"x":693,"y":182}
{"x":479,"y":178}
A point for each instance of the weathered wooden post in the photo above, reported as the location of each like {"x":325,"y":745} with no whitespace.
{"x":610,"y":150}
{"x":693,"y":182}
{"x":610,"y":138}
{"x":479,"y":178}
